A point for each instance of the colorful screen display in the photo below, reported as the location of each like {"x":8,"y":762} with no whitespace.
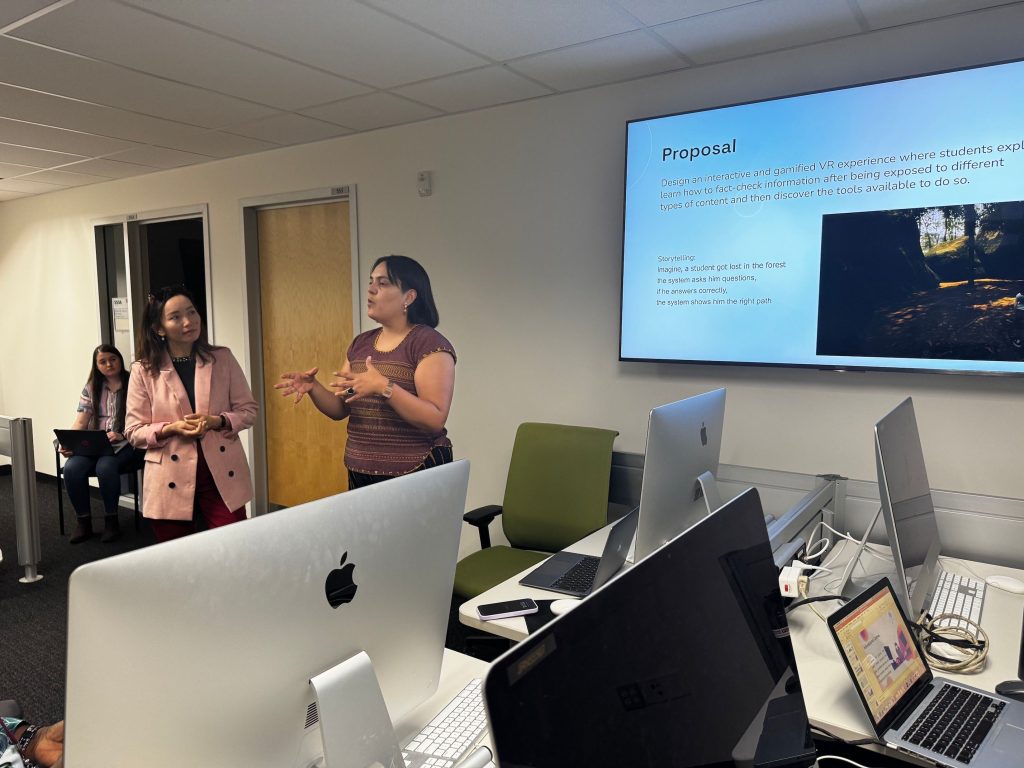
{"x":881,"y":653}
{"x":879,"y":226}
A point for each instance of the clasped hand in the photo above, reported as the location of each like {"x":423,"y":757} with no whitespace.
{"x":194,"y":425}
{"x":353,"y":386}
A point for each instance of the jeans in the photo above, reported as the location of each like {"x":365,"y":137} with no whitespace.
{"x":107,"y":469}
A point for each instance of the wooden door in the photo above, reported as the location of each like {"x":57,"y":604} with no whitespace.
{"x":305,"y":258}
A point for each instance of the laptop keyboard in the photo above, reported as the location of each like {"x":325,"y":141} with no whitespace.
{"x":955,"y":723}
{"x":580,"y":577}
{"x":957,"y":594}
{"x":448,"y":737}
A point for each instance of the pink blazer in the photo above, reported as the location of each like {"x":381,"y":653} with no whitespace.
{"x":170,"y":475}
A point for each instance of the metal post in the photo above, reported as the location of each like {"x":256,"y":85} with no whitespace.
{"x":16,"y":442}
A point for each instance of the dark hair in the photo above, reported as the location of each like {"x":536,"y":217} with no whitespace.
{"x":408,"y":275}
{"x":150,"y":348}
{"x":96,"y":380}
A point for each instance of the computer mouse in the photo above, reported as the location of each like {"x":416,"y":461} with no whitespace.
{"x":558,"y":607}
{"x":1012,"y":689}
{"x":1007,"y":583}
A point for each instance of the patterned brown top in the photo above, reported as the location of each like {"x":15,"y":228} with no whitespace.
{"x":380,"y":442}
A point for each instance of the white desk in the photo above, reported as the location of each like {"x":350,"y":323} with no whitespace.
{"x":511,"y":589}
{"x":832,"y":701}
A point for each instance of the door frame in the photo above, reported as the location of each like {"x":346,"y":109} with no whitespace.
{"x":248,"y":211}
{"x":134,"y":263}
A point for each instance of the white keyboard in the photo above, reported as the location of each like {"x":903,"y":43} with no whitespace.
{"x":452,"y":734}
{"x":957,"y":594}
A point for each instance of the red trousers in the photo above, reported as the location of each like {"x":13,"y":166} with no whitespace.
{"x":213,"y":512}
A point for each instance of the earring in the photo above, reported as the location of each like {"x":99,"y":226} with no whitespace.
{"x":405,"y":308}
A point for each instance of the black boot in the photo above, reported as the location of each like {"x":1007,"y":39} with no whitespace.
{"x":83,"y":530}
{"x":111,"y":529}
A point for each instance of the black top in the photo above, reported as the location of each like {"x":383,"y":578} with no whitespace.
{"x":187,"y":373}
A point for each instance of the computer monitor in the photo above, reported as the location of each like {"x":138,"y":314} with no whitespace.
{"x":684,"y":440}
{"x":199,"y":651}
{"x":682,"y":660}
{"x":907,"y":507}
{"x":908,"y":512}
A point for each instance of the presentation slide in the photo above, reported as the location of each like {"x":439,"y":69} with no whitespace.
{"x":880,"y":226}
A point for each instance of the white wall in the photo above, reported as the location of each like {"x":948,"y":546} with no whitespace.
{"x":522,"y":241}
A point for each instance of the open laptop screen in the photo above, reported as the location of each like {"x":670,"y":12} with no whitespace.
{"x":880,"y":651}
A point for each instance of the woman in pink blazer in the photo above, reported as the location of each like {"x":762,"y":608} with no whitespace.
{"x":187,"y":403}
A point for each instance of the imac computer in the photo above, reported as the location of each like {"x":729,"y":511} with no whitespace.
{"x":200,"y":651}
{"x":909,"y":516}
{"x":684,"y":439}
{"x":907,"y":507}
{"x":635,"y":676}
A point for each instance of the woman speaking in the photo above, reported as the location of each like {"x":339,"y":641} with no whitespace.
{"x":397,"y":381}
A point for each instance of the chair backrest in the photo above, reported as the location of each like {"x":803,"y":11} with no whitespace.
{"x":557,"y":487}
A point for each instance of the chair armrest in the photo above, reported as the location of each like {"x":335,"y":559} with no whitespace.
{"x":481,"y":517}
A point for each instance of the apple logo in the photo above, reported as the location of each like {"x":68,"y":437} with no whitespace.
{"x":703,"y":434}
{"x":340,"y":587}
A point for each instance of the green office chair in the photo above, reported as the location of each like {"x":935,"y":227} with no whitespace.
{"x":556,"y":493}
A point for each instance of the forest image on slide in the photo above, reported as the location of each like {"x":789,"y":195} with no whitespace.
{"x":938,"y":283}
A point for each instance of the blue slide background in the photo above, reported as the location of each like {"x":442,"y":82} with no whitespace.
{"x":946,"y":111}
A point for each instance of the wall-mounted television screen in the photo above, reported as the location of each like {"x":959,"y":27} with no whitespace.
{"x":873,"y":227}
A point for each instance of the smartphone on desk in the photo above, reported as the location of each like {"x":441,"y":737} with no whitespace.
{"x":506,"y":610}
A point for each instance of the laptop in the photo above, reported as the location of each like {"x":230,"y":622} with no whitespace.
{"x":84,"y":442}
{"x":932,"y":718}
{"x":636,"y":676}
{"x":578,"y":575}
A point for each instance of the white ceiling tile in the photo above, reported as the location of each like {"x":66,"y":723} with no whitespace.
{"x":888,"y":13}
{"x":64,"y":178}
{"x":340,"y":36}
{"x":45,"y":137}
{"x":110,"y":169}
{"x":364,"y":113}
{"x":45,"y":109}
{"x":652,"y":12}
{"x":634,"y":54}
{"x":37,"y":158}
{"x":33,"y":66}
{"x":29,"y":187}
{"x":476,"y":89}
{"x":8,"y":195}
{"x":132,"y":38}
{"x":759,"y":27}
{"x":287,"y":129}
{"x":14,"y":169}
{"x":15,"y":10}
{"x":221,"y":144}
{"x":158,"y":157}
{"x":507,"y":30}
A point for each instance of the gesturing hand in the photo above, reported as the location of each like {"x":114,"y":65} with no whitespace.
{"x":297,"y":383}
{"x":353,"y":386}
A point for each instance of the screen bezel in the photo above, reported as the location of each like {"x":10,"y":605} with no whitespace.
{"x":758,"y":364}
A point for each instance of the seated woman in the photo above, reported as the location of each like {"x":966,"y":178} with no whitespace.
{"x":101,"y":406}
